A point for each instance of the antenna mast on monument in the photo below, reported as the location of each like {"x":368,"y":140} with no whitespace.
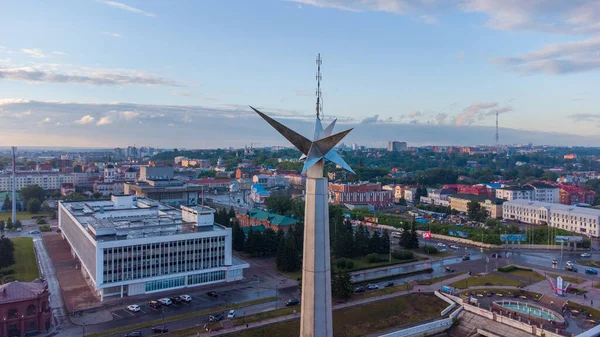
{"x":319,"y":99}
{"x":497,"y":135}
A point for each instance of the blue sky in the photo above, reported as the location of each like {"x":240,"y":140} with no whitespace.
{"x":107,"y":73}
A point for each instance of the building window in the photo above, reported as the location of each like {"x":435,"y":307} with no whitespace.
{"x":165,"y":284}
{"x":206,"y":277}
{"x":12,"y":313}
{"x":31,"y":326}
{"x":31,"y":310}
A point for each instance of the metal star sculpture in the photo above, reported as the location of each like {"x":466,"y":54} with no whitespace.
{"x":321,"y":147}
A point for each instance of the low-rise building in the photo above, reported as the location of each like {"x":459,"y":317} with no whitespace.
{"x":67,"y":189}
{"x":112,"y":187}
{"x":580,"y":220}
{"x":253,"y":218}
{"x":438,"y":197}
{"x":24,"y":308}
{"x":270,"y":181}
{"x":258,"y":194}
{"x":360,"y":193}
{"x":493,"y":206}
{"x":157,"y":183}
{"x":535,"y":191}
{"x":44,"y":179}
{"x":129,"y":246}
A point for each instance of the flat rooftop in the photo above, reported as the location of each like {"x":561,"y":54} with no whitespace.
{"x":107,"y":220}
{"x":554,"y":207}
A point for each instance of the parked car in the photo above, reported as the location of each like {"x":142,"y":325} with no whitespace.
{"x":586,"y":255}
{"x":154,"y":304}
{"x":165,"y":301}
{"x":212,"y":294}
{"x":466,"y":258}
{"x":231,"y":314}
{"x":133,"y":308}
{"x":216,"y":317}
{"x":372,"y":287}
{"x":293,"y":301}
{"x":569,"y":263}
{"x":359,"y":289}
{"x":442,"y":250}
{"x":591,"y":271}
{"x":35,"y":231}
{"x":135,"y":333}
{"x":454,"y":247}
{"x":571,"y":268}
{"x":389,"y":284}
{"x":186,"y":298}
{"x":554,"y":262}
{"x":160,"y":329}
{"x":496,"y":256}
{"x":449,"y":269}
{"x":441,"y":244}
{"x":176,"y":299}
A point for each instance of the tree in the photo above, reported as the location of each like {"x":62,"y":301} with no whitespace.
{"x":237,"y":237}
{"x":385,"y":242}
{"x":414,"y":237}
{"x":343,"y":242}
{"x":1,"y":225}
{"x":375,"y":243}
{"x":287,"y":254}
{"x":279,"y":204}
{"x":97,"y":195}
{"x":7,"y":204}
{"x":34,"y":205}
{"x":405,"y":236}
{"x":269,"y":243}
{"x":341,"y":284}
{"x":361,"y":241}
{"x":251,"y":244}
{"x":231,"y":214}
{"x":9,"y":224}
{"x":18,"y":224}
{"x":475,"y":211}
{"x":7,"y":252}
{"x":32,"y":191}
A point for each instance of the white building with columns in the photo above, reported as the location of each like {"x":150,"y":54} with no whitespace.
{"x":581,"y":220}
{"x":130,"y":246}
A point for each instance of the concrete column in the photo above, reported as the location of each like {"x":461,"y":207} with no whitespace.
{"x":316,"y":317}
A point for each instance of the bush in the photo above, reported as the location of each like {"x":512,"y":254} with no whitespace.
{"x":45,"y":229}
{"x":373,"y":258}
{"x":430,"y":249}
{"x":507,"y":269}
{"x":403,"y":255}
{"x":349,"y":264}
{"x":40,"y":221}
{"x":341,"y":263}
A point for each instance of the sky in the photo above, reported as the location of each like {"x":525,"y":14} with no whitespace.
{"x":98,"y":73}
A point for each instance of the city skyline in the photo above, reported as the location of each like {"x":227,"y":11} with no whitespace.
{"x":106,"y":73}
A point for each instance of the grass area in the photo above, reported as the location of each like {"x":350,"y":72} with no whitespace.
{"x":364,"y":319}
{"x":589,"y":263}
{"x":422,"y":271}
{"x":381,"y":292}
{"x":21,"y":215}
{"x":294,"y":275}
{"x":582,"y":308}
{"x":266,"y":315}
{"x":178,"y":317}
{"x":506,"y":293}
{"x":25,"y":268}
{"x":487,"y":280}
{"x":569,"y":279}
{"x":434,"y":280}
{"x":527,"y":274}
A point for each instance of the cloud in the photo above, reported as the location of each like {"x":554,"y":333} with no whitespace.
{"x":105,"y":120}
{"x":479,"y":111}
{"x":34,"y":74}
{"x":181,"y":93}
{"x":60,"y":53}
{"x":415,"y":114}
{"x":441,"y":118}
{"x":460,"y":55}
{"x":429,"y":19}
{"x":87,"y":119}
{"x":46,"y":120}
{"x":127,"y":8}
{"x":112,"y":34}
{"x":34,"y":53}
{"x":205,"y":127}
{"x":585,"y":117}
{"x":370,"y":120}
{"x":556,"y":59}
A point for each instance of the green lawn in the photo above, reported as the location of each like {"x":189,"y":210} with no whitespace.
{"x":25,"y":268}
{"x":589,"y":263}
{"x":364,"y":319}
{"x":21,"y":215}
{"x":569,"y":279}
{"x":594,"y":312}
{"x":266,"y":315}
{"x":381,"y":292}
{"x":527,"y":274}
{"x":489,"y":280}
{"x":507,"y":293}
{"x":434,"y":280}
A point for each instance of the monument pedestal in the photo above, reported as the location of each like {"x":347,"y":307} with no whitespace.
{"x":316,"y":316}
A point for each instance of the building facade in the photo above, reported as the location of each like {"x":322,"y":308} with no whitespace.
{"x":24,"y":308}
{"x":493,"y":206}
{"x":395,"y":146}
{"x":46,"y":180}
{"x":129,"y":246}
{"x":360,"y":193}
{"x":258,"y":194}
{"x":269,"y":181}
{"x":571,"y":195}
{"x":536,"y":191}
{"x":580,"y":220}
{"x":157,"y":183}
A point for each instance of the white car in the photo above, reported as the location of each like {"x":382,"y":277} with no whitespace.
{"x":372,"y":287}
{"x":569,"y":264}
{"x":165,"y":301}
{"x":186,"y":298}
{"x":455,"y":247}
{"x":441,"y":244}
{"x":133,"y":308}
{"x":586,"y":255}
{"x":231,"y":314}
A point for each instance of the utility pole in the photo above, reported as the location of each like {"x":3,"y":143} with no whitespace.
{"x":14,"y":185}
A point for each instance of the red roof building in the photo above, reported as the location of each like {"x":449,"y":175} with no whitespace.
{"x":361,"y":193}
{"x":570,"y":195}
{"x":24,"y":308}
